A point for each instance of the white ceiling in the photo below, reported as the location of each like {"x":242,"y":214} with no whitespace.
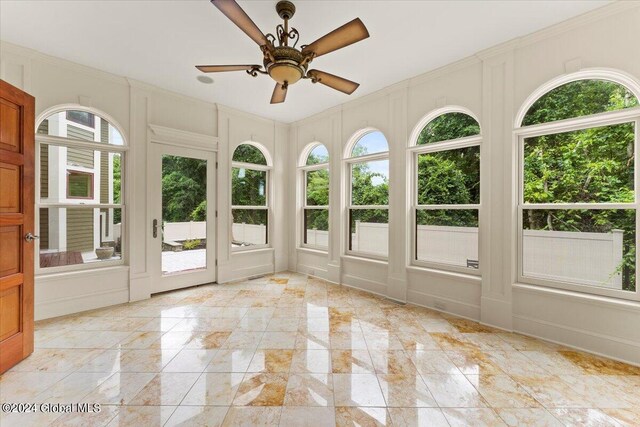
{"x":159,"y":42}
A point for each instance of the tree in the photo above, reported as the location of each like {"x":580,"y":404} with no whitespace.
{"x":184,"y":188}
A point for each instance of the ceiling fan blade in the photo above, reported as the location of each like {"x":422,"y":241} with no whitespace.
{"x":234,"y":12}
{"x":334,"y":82}
{"x":349,"y":33}
{"x":279,"y":94}
{"x":221,"y":68}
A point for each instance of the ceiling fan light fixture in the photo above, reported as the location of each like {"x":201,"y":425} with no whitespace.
{"x":285,"y":65}
{"x":288,"y":73}
{"x":282,"y":61}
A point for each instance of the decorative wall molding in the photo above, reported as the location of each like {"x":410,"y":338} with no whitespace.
{"x":182,"y":138}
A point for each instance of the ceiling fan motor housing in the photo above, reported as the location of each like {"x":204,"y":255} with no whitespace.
{"x":286,"y":66}
{"x":285,"y":9}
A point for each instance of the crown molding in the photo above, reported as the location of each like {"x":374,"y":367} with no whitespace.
{"x":7,"y":47}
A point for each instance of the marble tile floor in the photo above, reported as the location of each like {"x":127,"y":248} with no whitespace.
{"x":290,"y":350}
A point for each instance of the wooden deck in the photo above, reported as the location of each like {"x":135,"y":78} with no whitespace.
{"x":57,"y":259}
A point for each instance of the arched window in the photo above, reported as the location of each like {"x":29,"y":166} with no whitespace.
{"x":578,"y":198}
{"x":315,"y":197}
{"x":80,"y":205}
{"x":249,"y":197}
{"x":367,"y":167}
{"x":446,"y":196}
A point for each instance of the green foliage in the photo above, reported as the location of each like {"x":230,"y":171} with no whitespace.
{"x":370,"y":188}
{"x":184,"y":188}
{"x":577,"y":99}
{"x":117,"y":187}
{"x":448,"y":217}
{"x":448,"y":126}
{"x":191,"y":244}
{"x":200,"y":212}
{"x":248,"y":187}
{"x":318,"y":187}
{"x":449,"y":177}
{"x":586,"y":166}
{"x":316,"y":219}
{"x":249,"y":216}
{"x":247,"y":153}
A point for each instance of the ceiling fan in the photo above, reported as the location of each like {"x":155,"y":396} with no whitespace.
{"x":287,"y":64}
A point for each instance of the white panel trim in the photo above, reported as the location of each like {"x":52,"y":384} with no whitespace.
{"x":182,"y":138}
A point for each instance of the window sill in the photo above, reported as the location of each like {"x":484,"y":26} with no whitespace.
{"x":469,"y":278}
{"x":598,"y":300}
{"x":365,"y":259}
{"x":313,"y":251}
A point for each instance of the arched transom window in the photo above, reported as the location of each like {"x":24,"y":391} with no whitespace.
{"x":249,"y":197}
{"x":315,"y":197}
{"x":367,"y":166}
{"x":80,"y":205}
{"x":578,"y":200}
{"x":446,"y":196}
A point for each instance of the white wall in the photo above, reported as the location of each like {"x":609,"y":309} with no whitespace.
{"x":492,"y":85}
{"x":135,"y":106}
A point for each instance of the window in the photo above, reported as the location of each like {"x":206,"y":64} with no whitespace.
{"x":578,"y":198}
{"x":249,"y":197}
{"x":80,"y":180}
{"x":315,"y":198}
{"x":79,"y":185}
{"x":82,"y":117}
{"x":368,"y":195}
{"x":446,"y":196}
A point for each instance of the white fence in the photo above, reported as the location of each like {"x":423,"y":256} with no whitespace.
{"x":181,"y":231}
{"x":249,"y":233}
{"x":318,"y":238}
{"x":587,"y":258}
{"x":447,"y":245}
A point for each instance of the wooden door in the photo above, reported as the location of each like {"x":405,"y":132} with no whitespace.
{"x":16,"y":222}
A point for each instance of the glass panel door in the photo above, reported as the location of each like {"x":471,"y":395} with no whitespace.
{"x":184,"y":214}
{"x":182,"y":217}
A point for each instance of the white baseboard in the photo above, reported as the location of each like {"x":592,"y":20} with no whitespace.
{"x":451,"y":306}
{"x":312,"y":270}
{"x":378,"y":288}
{"x":591,"y":342}
{"x":245,"y":273}
{"x":78,"y":303}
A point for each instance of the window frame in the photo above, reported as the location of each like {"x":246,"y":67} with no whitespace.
{"x":303,"y":170}
{"x":521,"y":133}
{"x":103,"y":148}
{"x":348,"y":162}
{"x":267,"y":206}
{"x":436,"y":147}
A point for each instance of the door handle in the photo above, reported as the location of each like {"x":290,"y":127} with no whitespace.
{"x":30,"y":237}
{"x":154,"y":228}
